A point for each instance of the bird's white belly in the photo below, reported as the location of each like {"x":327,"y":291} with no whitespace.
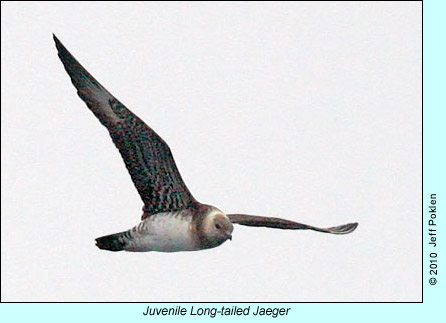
{"x":166,"y":232}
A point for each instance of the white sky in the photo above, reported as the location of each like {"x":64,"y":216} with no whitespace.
{"x":307,"y":111}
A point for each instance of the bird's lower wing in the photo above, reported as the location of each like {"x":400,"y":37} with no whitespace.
{"x":261,"y":221}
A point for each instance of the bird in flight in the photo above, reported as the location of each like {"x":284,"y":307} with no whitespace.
{"x":172,"y":220}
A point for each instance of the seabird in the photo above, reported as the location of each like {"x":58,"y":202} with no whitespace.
{"x":172,"y":220}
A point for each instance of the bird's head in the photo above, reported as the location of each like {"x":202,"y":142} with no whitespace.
{"x":217,"y":228}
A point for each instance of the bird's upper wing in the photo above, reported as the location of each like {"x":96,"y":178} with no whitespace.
{"x":146,"y":155}
{"x":261,"y":221}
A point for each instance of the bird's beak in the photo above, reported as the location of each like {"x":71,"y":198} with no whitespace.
{"x":230,"y":237}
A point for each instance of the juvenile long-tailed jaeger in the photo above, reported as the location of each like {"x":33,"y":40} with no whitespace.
{"x":172,"y":220}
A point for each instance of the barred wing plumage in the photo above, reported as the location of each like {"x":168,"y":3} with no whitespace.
{"x":146,"y":156}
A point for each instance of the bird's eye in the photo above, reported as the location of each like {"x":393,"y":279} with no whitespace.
{"x":218,"y":226}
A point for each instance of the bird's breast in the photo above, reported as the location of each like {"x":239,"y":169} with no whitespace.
{"x":166,"y":232}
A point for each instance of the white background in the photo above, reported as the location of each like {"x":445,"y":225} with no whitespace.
{"x":307,"y":111}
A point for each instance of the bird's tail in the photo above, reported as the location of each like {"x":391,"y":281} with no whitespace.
{"x":113,"y":242}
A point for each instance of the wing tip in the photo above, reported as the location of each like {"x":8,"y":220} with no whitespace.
{"x":344,"y":229}
{"x":57,"y":42}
